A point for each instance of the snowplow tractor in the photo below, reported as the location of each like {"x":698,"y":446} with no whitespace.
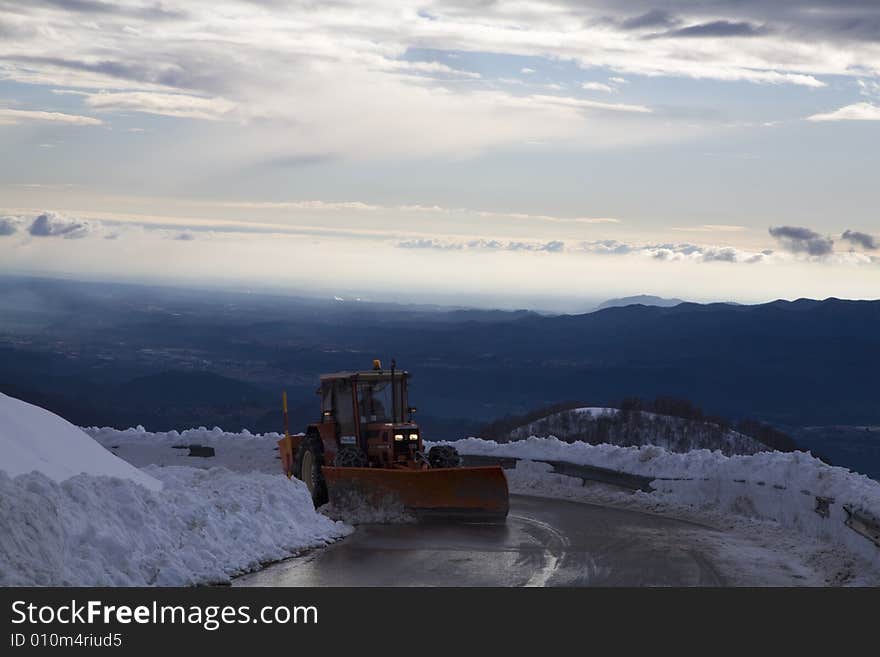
{"x":368,"y":452}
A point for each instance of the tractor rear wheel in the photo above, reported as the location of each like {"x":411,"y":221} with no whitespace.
{"x":307,"y":468}
{"x":444,"y":456}
{"x":351,"y":456}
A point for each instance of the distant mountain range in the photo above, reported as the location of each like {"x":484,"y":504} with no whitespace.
{"x":169,"y":358}
{"x":800,"y":362}
{"x":640,"y":299}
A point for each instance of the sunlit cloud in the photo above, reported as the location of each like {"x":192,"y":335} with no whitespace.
{"x":176,"y":105}
{"x":472,"y":133}
{"x":13,"y":116}
{"x":360,"y":206}
{"x":597,"y":86}
{"x":711,"y":228}
{"x":854,"y":112}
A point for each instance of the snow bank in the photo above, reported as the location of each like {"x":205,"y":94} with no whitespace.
{"x":204,"y":526}
{"x":72,"y":513}
{"x":775,"y":486}
{"x":242,"y":452}
{"x":32,"y":438}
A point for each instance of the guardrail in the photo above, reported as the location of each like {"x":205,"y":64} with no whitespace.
{"x":863,"y":522}
{"x":583,"y":472}
{"x":860,"y":521}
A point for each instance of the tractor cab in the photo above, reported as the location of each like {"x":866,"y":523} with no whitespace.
{"x":368,"y":412}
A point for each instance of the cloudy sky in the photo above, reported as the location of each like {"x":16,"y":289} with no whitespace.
{"x":540,"y":153}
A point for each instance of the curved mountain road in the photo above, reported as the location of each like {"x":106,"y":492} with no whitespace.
{"x":545,"y":542}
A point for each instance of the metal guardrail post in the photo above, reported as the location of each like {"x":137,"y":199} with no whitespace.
{"x":864,"y":523}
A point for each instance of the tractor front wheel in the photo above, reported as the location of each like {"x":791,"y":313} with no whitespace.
{"x":307,"y":468}
{"x":443,"y":456}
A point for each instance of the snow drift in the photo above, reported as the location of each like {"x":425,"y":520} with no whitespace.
{"x":204,"y":526}
{"x":72,"y":513}
{"x":32,"y":438}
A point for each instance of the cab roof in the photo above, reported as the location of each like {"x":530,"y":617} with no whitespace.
{"x":368,"y":375}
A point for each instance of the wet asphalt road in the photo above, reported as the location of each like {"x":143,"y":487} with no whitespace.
{"x":545,"y":542}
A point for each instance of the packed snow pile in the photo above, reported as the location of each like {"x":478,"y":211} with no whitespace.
{"x":73,"y":514}
{"x":598,"y":425}
{"x":32,"y":438}
{"x":242,"y":452}
{"x":204,"y":526}
{"x":793,"y":489}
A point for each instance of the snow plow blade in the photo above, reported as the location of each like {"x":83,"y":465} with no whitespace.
{"x":469,"y":494}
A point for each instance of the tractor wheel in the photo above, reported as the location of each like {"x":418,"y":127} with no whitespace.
{"x":444,"y":456}
{"x":307,"y":468}
{"x":351,"y":456}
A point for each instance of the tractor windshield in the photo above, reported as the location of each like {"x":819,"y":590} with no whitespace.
{"x":376,"y":402}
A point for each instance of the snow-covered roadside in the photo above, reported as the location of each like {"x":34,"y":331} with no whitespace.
{"x":204,"y":526}
{"x":72,"y":513}
{"x":764,"y":504}
{"x":241,"y":452}
{"x":770,"y":496}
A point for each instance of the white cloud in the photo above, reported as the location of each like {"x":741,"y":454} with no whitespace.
{"x":177,"y":105}
{"x":298,"y":205}
{"x":674,"y":251}
{"x":430,"y":68}
{"x":544,"y":217}
{"x":553,"y":246}
{"x":597,"y":86}
{"x":360,"y":206}
{"x":670,"y":252}
{"x":120,"y":224}
{"x":13,"y":116}
{"x":339,"y":78}
{"x":869,"y":88}
{"x":854,"y":112}
{"x":10,"y":225}
{"x":710,"y":228}
{"x":52,"y":224}
{"x":588,"y":104}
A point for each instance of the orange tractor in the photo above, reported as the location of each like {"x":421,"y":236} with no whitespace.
{"x":367,"y":449}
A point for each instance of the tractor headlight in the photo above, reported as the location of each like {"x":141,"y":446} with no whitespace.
{"x":413,"y":436}
{"x":398,"y":436}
